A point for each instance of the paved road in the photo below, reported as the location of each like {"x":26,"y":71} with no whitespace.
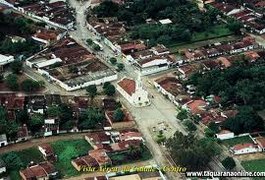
{"x":159,"y":110}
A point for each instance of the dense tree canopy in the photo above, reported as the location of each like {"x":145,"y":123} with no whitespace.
{"x":91,"y":118}
{"x":190,"y":152}
{"x":12,"y":82}
{"x":247,"y":120}
{"x":185,"y":15}
{"x":243,"y":85}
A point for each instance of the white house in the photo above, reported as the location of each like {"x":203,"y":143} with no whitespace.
{"x":3,"y":140}
{"x":225,"y":134}
{"x":133,"y":91}
{"x":245,"y":148}
{"x":6,"y":59}
{"x":51,"y":127}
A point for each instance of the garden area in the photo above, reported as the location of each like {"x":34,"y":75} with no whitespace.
{"x":66,"y":151}
{"x":19,"y":160}
{"x":238,"y":140}
{"x":131,"y":156}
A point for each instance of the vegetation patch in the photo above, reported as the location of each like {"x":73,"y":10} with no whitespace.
{"x":238,"y":140}
{"x":66,"y":151}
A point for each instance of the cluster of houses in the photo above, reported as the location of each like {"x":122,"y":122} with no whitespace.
{"x":55,"y":13}
{"x":146,"y":60}
{"x":106,"y":142}
{"x":255,"y":144}
{"x":42,"y":170}
{"x":220,"y":49}
{"x":71,"y":66}
{"x":248,"y":13}
{"x":208,"y":108}
{"x":32,"y":104}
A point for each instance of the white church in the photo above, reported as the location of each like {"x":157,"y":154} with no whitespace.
{"x":133,"y":91}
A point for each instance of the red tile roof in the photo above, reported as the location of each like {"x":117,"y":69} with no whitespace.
{"x":47,"y":148}
{"x":100,"y":156}
{"x":128,"y":85}
{"x":86,"y":161}
{"x":197,"y":106}
{"x":243,"y":146}
{"x":40,"y":170}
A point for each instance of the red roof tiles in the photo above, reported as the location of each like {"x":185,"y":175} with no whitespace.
{"x":128,"y":85}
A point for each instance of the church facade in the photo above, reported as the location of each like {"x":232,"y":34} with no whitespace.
{"x":133,"y":92}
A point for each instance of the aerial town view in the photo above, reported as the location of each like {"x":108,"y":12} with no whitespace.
{"x":132,"y":89}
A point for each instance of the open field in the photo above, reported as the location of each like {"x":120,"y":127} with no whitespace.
{"x":254,"y":165}
{"x":66,"y":151}
{"x":238,"y":140}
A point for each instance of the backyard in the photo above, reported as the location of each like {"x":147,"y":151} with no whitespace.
{"x":20,"y":159}
{"x":238,"y":140}
{"x":66,"y":151}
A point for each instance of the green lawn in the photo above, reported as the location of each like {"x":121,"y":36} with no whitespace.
{"x":218,"y":32}
{"x":66,"y":151}
{"x":239,"y":140}
{"x":254,"y":165}
{"x":212,"y":32}
{"x":31,"y":154}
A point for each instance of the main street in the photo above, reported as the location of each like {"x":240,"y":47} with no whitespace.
{"x":159,"y":110}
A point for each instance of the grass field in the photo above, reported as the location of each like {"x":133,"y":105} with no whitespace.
{"x":254,"y":165}
{"x":212,"y":32}
{"x":216,"y":33}
{"x":239,"y":140}
{"x":66,"y":151}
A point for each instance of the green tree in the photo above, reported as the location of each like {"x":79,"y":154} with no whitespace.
{"x":54,"y":111}
{"x":113,"y":60}
{"x":16,"y":67}
{"x":234,"y":26}
{"x":190,"y":152}
{"x":91,"y":119}
{"x":110,"y":90}
{"x":12,"y":82}
{"x":190,"y":126}
{"x":66,"y":119}
{"x":92,"y":91}
{"x":29,"y":85}
{"x":183,"y":114}
{"x":96,"y":47}
{"x":120,"y":66}
{"x":12,"y":160}
{"x":229,"y":163}
{"x":36,"y":122}
{"x":214,"y":127}
{"x":118,"y":115}
{"x":89,"y":42}
{"x":246,"y":121}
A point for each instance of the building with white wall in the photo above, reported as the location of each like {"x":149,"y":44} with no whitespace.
{"x":6,"y":59}
{"x":133,"y":92}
